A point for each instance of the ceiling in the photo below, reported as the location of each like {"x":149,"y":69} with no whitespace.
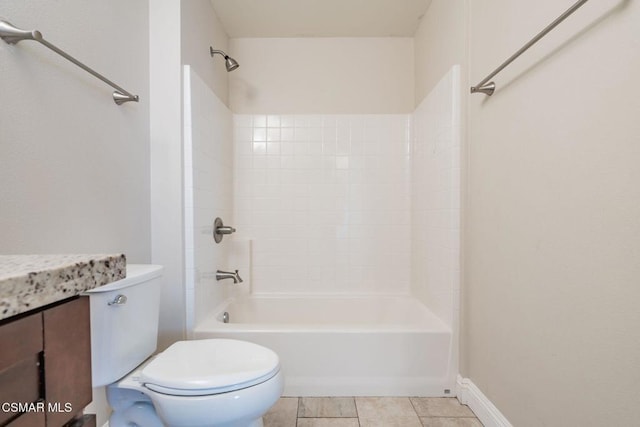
{"x":320,"y":18}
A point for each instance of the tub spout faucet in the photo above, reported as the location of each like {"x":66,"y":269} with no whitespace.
{"x":221,"y":275}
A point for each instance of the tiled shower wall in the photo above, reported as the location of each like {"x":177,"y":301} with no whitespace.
{"x":340,"y":204}
{"x":435,"y":208}
{"x":208,"y":184}
{"x":325,"y":201}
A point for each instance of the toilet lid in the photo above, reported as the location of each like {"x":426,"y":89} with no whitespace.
{"x":212,"y":366}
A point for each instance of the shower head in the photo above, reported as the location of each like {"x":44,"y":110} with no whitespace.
{"x":229,"y":62}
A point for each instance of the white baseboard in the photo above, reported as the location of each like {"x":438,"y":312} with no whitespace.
{"x":486,"y":411}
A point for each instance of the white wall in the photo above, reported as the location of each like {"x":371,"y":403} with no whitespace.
{"x":322,"y":76}
{"x":553,"y":237}
{"x":181,"y":32}
{"x":207,"y":157}
{"x":201,"y":29}
{"x":440,"y":42}
{"x":325,"y":201}
{"x":550,"y":230}
{"x":167,"y":237}
{"x":74,"y":166}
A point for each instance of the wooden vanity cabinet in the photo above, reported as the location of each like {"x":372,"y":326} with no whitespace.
{"x":45,"y":359}
{"x":67,"y":360}
{"x":20,"y":355}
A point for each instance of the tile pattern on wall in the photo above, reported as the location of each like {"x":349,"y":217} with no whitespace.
{"x":208,"y":184}
{"x":435,"y":208}
{"x":325,"y":204}
{"x":325,"y":201}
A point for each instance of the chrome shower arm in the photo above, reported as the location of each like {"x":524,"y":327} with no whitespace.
{"x":213,"y":51}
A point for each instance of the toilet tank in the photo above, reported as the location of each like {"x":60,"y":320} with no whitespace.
{"x":124,"y":322}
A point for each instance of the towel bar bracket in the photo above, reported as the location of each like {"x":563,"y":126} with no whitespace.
{"x":12,"y":35}
{"x":490,"y":87}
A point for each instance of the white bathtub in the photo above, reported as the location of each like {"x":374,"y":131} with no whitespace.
{"x":345,"y":346}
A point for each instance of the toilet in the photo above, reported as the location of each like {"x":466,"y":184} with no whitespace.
{"x":199,"y":383}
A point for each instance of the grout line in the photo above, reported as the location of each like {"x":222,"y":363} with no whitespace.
{"x":357,"y":417}
{"x":416,"y":412}
{"x":355,"y":403}
{"x":450,"y":416}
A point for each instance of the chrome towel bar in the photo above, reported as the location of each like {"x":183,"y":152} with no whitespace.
{"x":489,"y":88}
{"x":12,"y":35}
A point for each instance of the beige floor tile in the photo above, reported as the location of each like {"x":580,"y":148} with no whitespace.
{"x":440,"y":407}
{"x":327,"y":407}
{"x":373,"y":407}
{"x":283,"y":413}
{"x":393,"y":421}
{"x":328,"y":422}
{"x":450,"y":422}
{"x":386,"y":412}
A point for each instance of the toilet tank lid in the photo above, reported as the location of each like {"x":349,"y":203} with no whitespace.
{"x":136,"y":273}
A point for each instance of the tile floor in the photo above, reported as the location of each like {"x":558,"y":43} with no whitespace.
{"x":370,"y":412}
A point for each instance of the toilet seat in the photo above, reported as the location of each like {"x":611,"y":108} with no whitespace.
{"x":207,"y":367}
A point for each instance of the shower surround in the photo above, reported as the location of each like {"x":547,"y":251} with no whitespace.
{"x":345,"y":212}
{"x":325,"y":200}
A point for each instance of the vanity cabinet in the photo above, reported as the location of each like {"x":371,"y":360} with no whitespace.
{"x":20,"y":363}
{"x":45,"y":365}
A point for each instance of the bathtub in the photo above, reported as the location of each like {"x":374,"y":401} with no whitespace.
{"x":344,"y":346}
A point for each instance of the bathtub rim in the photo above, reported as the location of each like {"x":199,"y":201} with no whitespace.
{"x":213,"y":320}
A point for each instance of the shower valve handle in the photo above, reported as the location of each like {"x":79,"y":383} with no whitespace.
{"x":225,"y":230}
{"x":219,"y":230}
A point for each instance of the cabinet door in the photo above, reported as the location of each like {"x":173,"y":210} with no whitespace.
{"x":67,"y":360}
{"x":31,"y":419}
{"x":20,"y":347}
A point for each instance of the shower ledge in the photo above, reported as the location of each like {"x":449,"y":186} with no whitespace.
{"x":28,"y":282}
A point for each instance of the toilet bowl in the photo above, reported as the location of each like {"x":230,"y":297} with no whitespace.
{"x":200,"y":383}
{"x":214,"y":382}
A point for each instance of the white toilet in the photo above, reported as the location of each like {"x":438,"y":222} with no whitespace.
{"x":201,"y":383}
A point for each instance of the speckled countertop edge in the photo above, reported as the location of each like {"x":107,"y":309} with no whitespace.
{"x":28,"y":282}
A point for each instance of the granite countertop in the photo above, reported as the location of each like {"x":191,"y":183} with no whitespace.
{"x":28,"y":282}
